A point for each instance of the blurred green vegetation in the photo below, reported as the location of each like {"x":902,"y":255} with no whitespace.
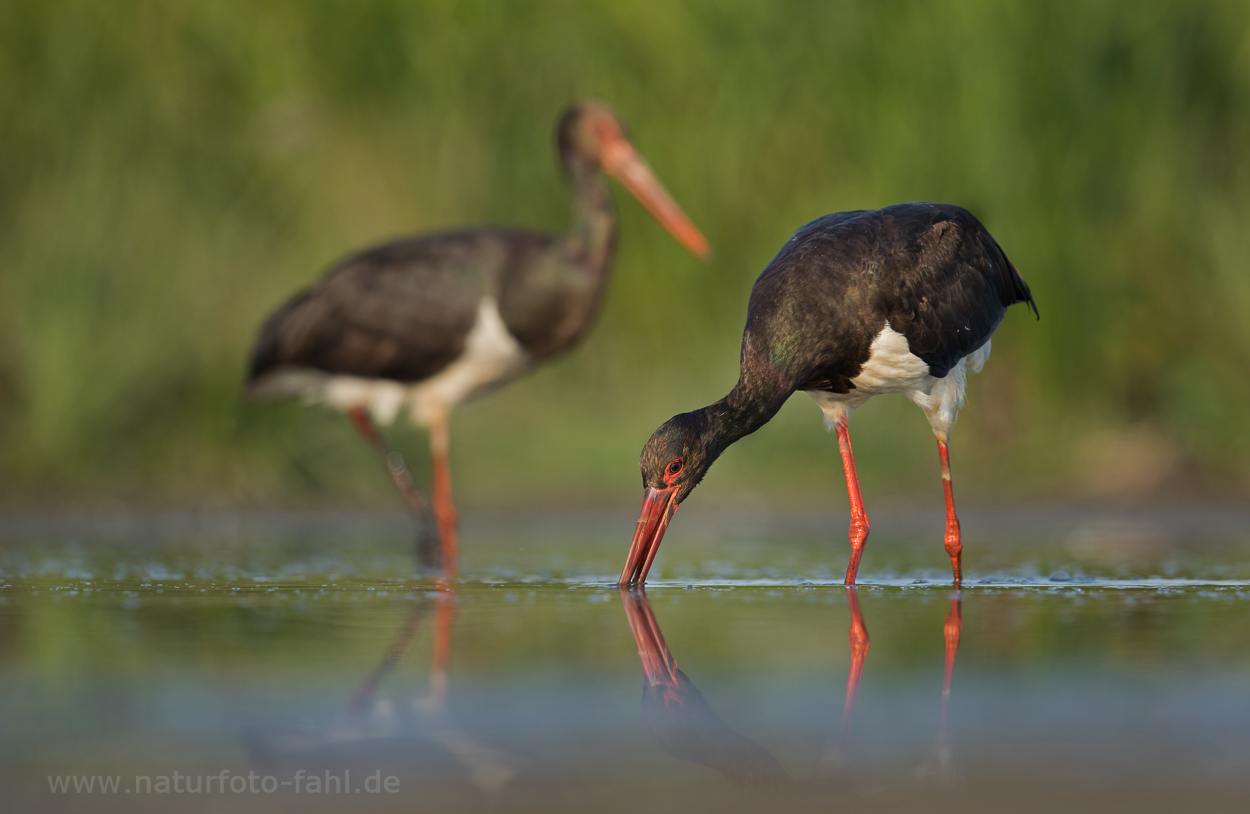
{"x":170,"y":172}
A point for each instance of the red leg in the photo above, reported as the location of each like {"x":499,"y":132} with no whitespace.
{"x":444,"y":509}
{"x":393,"y":461}
{"x":859,"y":519}
{"x":427,"y":557}
{"x":953,"y":546}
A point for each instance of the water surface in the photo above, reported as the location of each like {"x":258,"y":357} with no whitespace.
{"x":1095,"y":661}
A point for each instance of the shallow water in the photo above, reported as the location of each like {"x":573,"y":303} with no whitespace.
{"x":1097,"y":661}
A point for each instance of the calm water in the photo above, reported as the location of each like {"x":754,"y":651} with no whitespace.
{"x":1096,"y":661}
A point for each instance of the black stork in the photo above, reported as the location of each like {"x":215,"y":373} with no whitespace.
{"x":424,"y":323}
{"x":856,"y":304}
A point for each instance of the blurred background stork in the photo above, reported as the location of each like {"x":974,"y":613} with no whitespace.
{"x":167,"y":172}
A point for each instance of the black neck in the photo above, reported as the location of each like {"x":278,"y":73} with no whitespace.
{"x":752,"y":403}
{"x":592,"y":241}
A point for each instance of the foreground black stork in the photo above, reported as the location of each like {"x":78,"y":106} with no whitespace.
{"x":424,"y":323}
{"x":856,"y":304}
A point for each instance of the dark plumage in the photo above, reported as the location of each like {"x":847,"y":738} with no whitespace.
{"x":402,"y":311}
{"x":427,"y":322}
{"x":931,"y":270}
{"x":901,"y":299}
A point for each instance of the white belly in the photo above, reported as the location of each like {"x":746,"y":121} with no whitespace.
{"x":491,"y":357}
{"x":893,"y":368}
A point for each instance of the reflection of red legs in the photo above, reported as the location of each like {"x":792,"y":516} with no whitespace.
{"x":953,"y":545}
{"x":952,"y":628}
{"x":364,"y":693}
{"x":444,"y":509}
{"x":443,"y":626}
{"x":859,"y":519}
{"x":940,"y":764}
{"x":835,"y":755}
{"x":859,"y":651}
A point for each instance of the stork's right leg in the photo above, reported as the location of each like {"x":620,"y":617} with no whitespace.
{"x":444,"y":508}
{"x":953,"y":539}
{"x":427,"y":552}
{"x":859,"y":518}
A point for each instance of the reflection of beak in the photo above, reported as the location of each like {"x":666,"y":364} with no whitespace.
{"x":658,"y":506}
{"x":622,"y":162}
{"x":657,"y":663}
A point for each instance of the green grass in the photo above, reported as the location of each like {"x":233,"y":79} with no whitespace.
{"x":169,"y":172}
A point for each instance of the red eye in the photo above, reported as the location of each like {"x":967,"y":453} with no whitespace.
{"x":673,"y":469}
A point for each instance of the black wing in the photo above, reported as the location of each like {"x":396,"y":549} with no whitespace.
{"x":400,"y":311}
{"x":949,"y":283}
{"x":931,"y":270}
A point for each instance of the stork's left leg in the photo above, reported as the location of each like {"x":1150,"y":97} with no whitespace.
{"x":394,"y":462}
{"x":444,"y":509}
{"x":859,"y":518}
{"x":953,"y":545}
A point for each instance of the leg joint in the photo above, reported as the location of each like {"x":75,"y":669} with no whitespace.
{"x":859,"y":532}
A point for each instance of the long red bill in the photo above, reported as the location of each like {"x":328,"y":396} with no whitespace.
{"x":622,"y":162}
{"x":658,"y":506}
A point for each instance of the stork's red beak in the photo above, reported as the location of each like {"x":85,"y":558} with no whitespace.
{"x":620,"y":160}
{"x":658,"y":506}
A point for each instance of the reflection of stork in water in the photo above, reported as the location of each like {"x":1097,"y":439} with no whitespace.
{"x":685,"y":726}
{"x":369,"y":720}
{"x":940,"y":763}
{"x":679,"y":716}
